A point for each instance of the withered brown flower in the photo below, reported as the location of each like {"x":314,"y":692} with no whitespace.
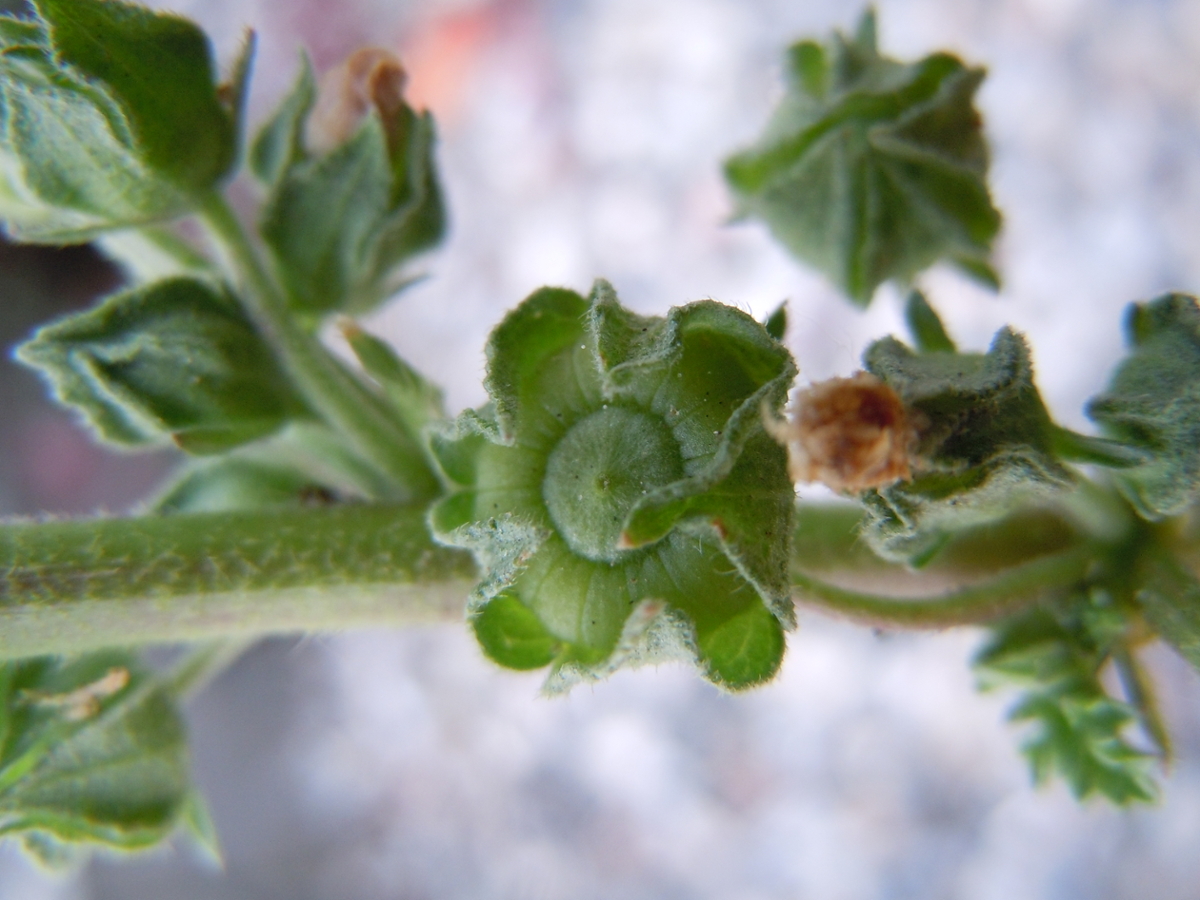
{"x":369,"y":78}
{"x":848,"y":433}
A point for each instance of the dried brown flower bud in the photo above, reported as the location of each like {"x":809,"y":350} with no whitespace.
{"x":848,"y":433}
{"x":369,"y":78}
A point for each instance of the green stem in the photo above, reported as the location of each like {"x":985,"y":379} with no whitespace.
{"x":333,"y":392}
{"x":74,"y":586}
{"x":1082,"y":448}
{"x":1005,"y":593}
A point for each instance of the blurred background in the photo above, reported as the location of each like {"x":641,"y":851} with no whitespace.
{"x":582,"y":138}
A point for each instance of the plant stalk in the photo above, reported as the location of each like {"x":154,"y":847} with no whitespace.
{"x":333,"y":393}
{"x":68,"y":587}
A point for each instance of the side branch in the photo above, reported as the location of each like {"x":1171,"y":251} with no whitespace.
{"x":78,"y":585}
{"x":1005,"y":593}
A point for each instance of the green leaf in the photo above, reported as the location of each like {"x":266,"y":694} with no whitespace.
{"x":1153,"y":405}
{"x":621,"y":488}
{"x":342,"y":225}
{"x":158,"y":68}
{"x":1054,"y":657}
{"x":92,"y":750}
{"x":305,"y":465}
{"x":984,"y":442}
{"x":174,"y":359}
{"x":109,"y":118}
{"x":871,"y":169}
{"x":70,"y":167}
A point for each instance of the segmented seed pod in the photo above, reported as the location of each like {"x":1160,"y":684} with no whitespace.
{"x":620,"y":493}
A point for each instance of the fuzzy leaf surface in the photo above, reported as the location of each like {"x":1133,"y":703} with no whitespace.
{"x":984,"y":440}
{"x":175,"y":359}
{"x":158,"y":67}
{"x":92,"y":750}
{"x":1153,"y":405}
{"x":872,"y":169}
{"x":109,"y":117}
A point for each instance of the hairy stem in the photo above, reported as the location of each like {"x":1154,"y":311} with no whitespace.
{"x":73,"y":586}
{"x":995,"y":597}
{"x":334,"y":393}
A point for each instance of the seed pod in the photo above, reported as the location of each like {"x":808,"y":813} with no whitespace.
{"x":619,"y":493}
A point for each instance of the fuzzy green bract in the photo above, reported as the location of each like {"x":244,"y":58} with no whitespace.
{"x":985,"y":441}
{"x":92,"y":751}
{"x":341,"y":225}
{"x":620,"y":494}
{"x":872,"y":169}
{"x":1153,"y":404}
{"x":175,"y":359}
{"x":110,"y":116}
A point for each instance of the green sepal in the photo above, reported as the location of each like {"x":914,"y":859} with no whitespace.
{"x":1054,"y":656}
{"x":512,"y":635}
{"x":984,"y":438}
{"x":1153,"y":405}
{"x":173,"y":360}
{"x":280,"y":141}
{"x":234,"y":93}
{"x":418,"y":401}
{"x":777,"y":322}
{"x":872,"y":169}
{"x":621,"y":487}
{"x":342,"y":225}
{"x":92,"y":752}
{"x":925,"y":325}
{"x":198,"y":825}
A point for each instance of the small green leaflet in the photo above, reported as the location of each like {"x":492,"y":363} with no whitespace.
{"x":175,"y":359}
{"x":1054,"y":655}
{"x":92,"y":750}
{"x":342,"y":224}
{"x":984,"y":439}
{"x":1153,"y":405}
{"x":872,"y":169}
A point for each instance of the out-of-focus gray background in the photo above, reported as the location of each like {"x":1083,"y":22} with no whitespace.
{"x":582,"y":138}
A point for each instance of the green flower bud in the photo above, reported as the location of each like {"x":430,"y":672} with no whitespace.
{"x":620,"y":493}
{"x":110,"y":116}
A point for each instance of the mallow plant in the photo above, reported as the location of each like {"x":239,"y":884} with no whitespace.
{"x":626,"y":496}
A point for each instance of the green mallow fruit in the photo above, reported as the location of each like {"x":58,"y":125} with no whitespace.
{"x":620,"y":494}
